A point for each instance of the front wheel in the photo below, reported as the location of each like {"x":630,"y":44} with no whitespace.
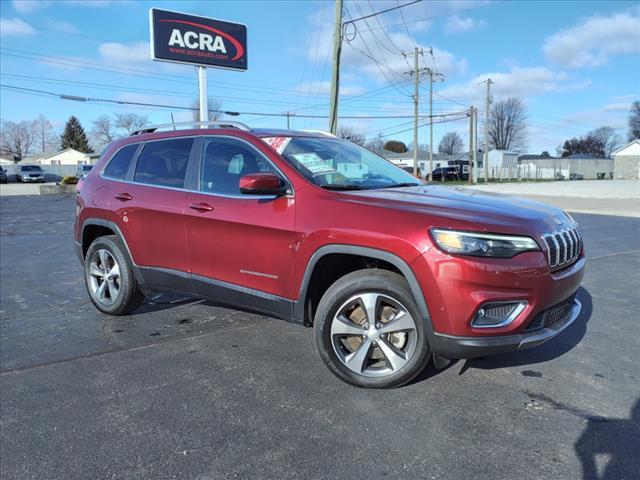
{"x":369,"y":331}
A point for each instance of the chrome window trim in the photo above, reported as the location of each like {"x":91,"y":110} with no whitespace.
{"x":141,"y":145}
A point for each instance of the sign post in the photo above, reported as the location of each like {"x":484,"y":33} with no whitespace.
{"x":202,"y":94}
{"x":200,"y":41}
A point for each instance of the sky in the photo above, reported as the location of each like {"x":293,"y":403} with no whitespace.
{"x":575,"y":64}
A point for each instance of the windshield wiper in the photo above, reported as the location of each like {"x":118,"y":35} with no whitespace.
{"x":399,"y":185}
{"x":348,"y":186}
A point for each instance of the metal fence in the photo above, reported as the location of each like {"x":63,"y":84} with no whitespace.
{"x":52,"y":173}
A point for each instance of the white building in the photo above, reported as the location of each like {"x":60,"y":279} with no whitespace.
{"x":626,"y":161}
{"x":68,"y":156}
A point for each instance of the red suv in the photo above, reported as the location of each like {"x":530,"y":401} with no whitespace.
{"x":309,"y":228}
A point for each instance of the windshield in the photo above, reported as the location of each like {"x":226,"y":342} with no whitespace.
{"x":342,"y":165}
{"x":30,"y":168}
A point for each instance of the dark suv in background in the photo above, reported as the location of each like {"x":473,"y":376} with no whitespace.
{"x":389,"y":271}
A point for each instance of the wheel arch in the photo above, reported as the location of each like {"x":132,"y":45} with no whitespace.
{"x":93,"y":228}
{"x":301,"y":306}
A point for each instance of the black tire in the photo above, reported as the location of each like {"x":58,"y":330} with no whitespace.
{"x":129,"y":296}
{"x":389,"y":287}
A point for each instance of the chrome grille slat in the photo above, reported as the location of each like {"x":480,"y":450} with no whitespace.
{"x":563,"y":246}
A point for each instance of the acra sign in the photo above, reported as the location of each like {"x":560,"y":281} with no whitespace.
{"x":182,"y":38}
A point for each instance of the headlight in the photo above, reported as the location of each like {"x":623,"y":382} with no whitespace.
{"x":482,"y":244}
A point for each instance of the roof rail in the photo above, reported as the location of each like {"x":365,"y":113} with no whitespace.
{"x":186,"y":125}
{"x":321,"y":132}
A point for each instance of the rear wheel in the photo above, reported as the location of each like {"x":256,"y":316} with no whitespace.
{"x":109,"y":277}
{"x":369,"y":331}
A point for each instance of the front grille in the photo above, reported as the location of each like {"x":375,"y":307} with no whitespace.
{"x":552,"y":315}
{"x":563,"y":246}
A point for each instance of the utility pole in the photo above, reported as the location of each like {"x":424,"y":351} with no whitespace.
{"x":487,"y":107}
{"x":432,"y":74}
{"x":415,"y":110}
{"x":475,"y":145}
{"x":472,"y":117}
{"x":288,"y":120}
{"x":335,"y":76}
{"x":416,"y":97}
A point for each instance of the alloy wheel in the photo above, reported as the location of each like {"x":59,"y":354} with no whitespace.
{"x":104,"y":277}
{"x":373,"y":334}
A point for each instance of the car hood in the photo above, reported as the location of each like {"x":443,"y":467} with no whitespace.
{"x":486,"y":210}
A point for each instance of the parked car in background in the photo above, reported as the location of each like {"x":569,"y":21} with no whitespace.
{"x":450,"y":173}
{"x":30,"y":173}
{"x":82,"y":171}
{"x":576,"y":176}
{"x":389,"y":271}
{"x":3,"y":175}
{"x":409,"y":169}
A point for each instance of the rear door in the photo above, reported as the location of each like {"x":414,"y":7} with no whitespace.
{"x":150,"y":205}
{"x":240,"y":240}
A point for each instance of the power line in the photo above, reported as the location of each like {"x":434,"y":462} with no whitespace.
{"x":384,"y":11}
{"x":179,"y":107}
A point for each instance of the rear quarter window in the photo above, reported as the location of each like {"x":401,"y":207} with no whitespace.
{"x":119,"y":164}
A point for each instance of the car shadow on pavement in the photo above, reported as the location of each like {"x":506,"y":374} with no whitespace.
{"x":157,"y":302}
{"x":615,"y":438}
{"x":554,"y":348}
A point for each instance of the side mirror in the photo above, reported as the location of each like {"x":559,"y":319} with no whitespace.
{"x":262,"y":184}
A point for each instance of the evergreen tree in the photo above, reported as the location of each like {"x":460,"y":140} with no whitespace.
{"x":74,"y":136}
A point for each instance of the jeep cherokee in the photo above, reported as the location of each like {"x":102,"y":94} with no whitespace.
{"x":306,"y":227}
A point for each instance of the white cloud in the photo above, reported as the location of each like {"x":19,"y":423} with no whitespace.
{"x":15,"y":27}
{"x":136,"y":52}
{"x":324,"y":87}
{"x":457,"y":24}
{"x":617,"y":107}
{"x":61,"y":26}
{"x":29,"y":6}
{"x":595,"y":40}
{"x":518,"y":82}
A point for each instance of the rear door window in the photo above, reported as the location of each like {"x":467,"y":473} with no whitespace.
{"x":164,"y":162}
{"x":119,"y":164}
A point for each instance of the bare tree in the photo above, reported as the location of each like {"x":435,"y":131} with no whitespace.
{"x":608,"y":137}
{"x":16,"y":139}
{"x":213,"y":107}
{"x":103,"y":132}
{"x":634,"y":121}
{"x":507,"y":125}
{"x":130,"y":122}
{"x":450,"y":144}
{"x":375,"y":144}
{"x":349,"y":133}
{"x":44,"y":136}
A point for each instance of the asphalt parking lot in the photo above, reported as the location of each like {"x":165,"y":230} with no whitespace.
{"x":186,"y":389}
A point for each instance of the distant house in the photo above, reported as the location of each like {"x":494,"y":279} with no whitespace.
{"x":68,"y":156}
{"x":6,"y":161}
{"x":626,"y":160}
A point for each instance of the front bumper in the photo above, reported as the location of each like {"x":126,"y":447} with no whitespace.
{"x":452,"y":346}
{"x":33,"y":179}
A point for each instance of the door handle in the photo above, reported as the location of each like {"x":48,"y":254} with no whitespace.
{"x":125,"y":197}
{"x":201,"y":207}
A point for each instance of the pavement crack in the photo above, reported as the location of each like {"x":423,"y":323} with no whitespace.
{"x":609,"y":255}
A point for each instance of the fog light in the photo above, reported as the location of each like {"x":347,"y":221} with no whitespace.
{"x":498,"y":314}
